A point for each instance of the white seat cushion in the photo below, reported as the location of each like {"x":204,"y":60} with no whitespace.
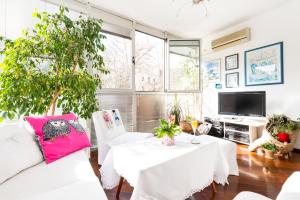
{"x":250,"y":196}
{"x":71,"y":177}
{"x":290,"y":189}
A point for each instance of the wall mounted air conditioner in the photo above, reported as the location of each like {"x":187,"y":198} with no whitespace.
{"x":231,"y":40}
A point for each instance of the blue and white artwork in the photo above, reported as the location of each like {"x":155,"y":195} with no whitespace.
{"x":213,"y":70}
{"x":264,"y":65}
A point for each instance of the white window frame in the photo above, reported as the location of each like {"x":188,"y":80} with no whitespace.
{"x":169,"y":69}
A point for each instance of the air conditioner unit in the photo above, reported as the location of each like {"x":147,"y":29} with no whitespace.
{"x":231,"y":40}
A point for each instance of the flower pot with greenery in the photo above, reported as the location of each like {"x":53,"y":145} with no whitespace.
{"x":269,"y":149}
{"x":167,"y":131}
{"x":175,"y":112}
{"x":282,"y":133}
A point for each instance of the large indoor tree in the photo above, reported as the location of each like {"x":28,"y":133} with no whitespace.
{"x":54,"y":65}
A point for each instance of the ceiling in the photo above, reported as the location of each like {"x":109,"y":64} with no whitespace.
{"x":192,"y":21}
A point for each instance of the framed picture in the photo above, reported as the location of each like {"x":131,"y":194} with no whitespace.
{"x":232,"y":80}
{"x":232,"y":62}
{"x":213,"y":70}
{"x":264,"y":65}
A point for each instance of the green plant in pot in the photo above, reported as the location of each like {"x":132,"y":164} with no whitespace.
{"x":269,"y":149}
{"x":54,"y":65}
{"x":280,"y":126}
{"x":167,"y":131}
{"x":175,"y":111}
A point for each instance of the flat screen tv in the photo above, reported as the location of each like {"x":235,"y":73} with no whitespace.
{"x":243,"y":103}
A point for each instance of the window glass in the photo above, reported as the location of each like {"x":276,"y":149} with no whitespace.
{"x":150,"y":109}
{"x":149,"y":62}
{"x":184,"y":70}
{"x":190,"y":104}
{"x":117,"y":58}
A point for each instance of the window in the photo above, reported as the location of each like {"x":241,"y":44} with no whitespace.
{"x":149,"y":62}
{"x":117,"y":58}
{"x":123,"y":102}
{"x":190,"y":103}
{"x":184,"y":70}
{"x":150,"y":109}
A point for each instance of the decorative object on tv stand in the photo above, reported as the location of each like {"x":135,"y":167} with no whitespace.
{"x":49,"y":67}
{"x":175,"y":112}
{"x":232,"y":80}
{"x":264,"y":65}
{"x":280,"y":131}
{"x":232,"y":62}
{"x":167,"y":131}
{"x":213,"y":70}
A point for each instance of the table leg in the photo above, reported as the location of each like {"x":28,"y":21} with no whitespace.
{"x":119,"y":187}
{"x":213,"y":187}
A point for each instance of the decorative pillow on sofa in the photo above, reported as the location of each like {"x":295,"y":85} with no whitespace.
{"x":18,"y":151}
{"x":59,"y":136}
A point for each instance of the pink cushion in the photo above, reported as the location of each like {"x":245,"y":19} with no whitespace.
{"x":59,"y":136}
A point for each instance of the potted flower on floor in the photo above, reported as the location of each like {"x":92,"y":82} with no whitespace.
{"x":269,"y":149}
{"x":282,"y":131}
{"x":167,"y":131}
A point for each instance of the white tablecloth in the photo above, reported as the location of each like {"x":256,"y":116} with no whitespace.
{"x":159,"y":172}
{"x":228,"y":149}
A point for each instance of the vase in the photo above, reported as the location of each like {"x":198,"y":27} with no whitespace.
{"x":168,"y":141}
{"x":269,"y":154}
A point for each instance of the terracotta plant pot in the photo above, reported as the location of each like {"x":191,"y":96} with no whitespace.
{"x":269,"y":154}
{"x":166,"y":140}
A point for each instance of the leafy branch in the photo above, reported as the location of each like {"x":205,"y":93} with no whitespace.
{"x":50,"y":67}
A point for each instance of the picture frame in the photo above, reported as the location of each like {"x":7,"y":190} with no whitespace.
{"x":213,"y":70}
{"x":264,"y":65}
{"x":232,"y":80}
{"x":232,"y":62}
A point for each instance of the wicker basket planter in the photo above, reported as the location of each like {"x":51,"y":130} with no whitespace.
{"x":186,"y":126}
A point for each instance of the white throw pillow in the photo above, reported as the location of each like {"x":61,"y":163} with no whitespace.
{"x":18,"y":151}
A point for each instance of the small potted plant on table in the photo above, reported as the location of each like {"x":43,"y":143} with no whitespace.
{"x":269,"y":149}
{"x":167,"y":131}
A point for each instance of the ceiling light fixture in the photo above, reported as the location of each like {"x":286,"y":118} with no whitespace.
{"x":193,"y":3}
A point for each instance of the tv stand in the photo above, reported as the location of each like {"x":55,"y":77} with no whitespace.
{"x":240,"y":130}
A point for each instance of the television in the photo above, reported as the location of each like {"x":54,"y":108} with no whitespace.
{"x":243,"y":103}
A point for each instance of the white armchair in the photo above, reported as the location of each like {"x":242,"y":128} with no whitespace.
{"x":289,"y":191}
{"x":110,"y":131}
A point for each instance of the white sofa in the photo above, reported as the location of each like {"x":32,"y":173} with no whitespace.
{"x":71,"y":177}
{"x":289,"y":191}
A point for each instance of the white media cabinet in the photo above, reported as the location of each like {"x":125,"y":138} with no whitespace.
{"x":242,"y":130}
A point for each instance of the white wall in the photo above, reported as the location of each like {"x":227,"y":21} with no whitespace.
{"x":281,"y":24}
